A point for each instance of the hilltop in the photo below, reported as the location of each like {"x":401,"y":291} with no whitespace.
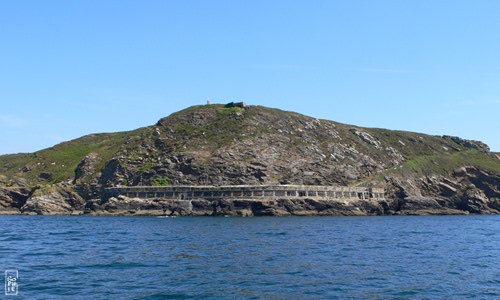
{"x":231,"y":145}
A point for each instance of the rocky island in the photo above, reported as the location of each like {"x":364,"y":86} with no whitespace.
{"x":250,"y":160}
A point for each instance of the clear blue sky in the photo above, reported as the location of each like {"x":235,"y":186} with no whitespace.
{"x":70,"y":68}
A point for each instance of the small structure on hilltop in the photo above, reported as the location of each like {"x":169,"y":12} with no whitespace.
{"x":236,"y":104}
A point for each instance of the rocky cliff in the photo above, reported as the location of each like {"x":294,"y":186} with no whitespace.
{"x":218,"y":145}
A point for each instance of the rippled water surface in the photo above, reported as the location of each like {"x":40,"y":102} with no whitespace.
{"x":440,"y":257}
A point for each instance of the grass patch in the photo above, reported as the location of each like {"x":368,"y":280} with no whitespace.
{"x":229,"y":111}
{"x":161,"y":181}
{"x":146,"y":167}
{"x":187,"y":129}
{"x":445,"y":163}
{"x":61,"y":160}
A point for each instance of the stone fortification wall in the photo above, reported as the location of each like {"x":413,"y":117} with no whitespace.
{"x":257,"y":192}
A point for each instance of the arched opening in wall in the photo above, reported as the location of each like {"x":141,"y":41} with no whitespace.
{"x":182,"y":197}
{"x":360,"y":195}
{"x":302,"y":193}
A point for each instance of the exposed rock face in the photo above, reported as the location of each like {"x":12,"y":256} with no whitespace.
{"x":262,"y":147}
{"x":85,"y":180}
{"x":86,"y":168}
{"x":217,"y":145}
{"x":467,"y":189}
{"x":367,"y":138}
{"x":12,"y":199}
{"x":418,"y":205}
{"x":469,"y":144}
{"x":57,"y":200}
{"x":242,"y":207}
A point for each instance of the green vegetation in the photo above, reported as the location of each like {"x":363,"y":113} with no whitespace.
{"x":61,"y":160}
{"x":148,"y":166}
{"x":187,"y":129}
{"x":442,"y":164}
{"x":220,"y":126}
{"x":160,"y":181}
{"x":228,"y":111}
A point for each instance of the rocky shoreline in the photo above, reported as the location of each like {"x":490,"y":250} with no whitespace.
{"x":276,"y":207}
{"x":124,"y":206}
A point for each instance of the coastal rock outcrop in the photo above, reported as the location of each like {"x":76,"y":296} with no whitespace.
{"x":12,"y":199}
{"x":57,"y":199}
{"x":467,"y":189}
{"x":235,"y":207}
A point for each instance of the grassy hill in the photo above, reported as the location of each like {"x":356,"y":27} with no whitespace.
{"x":205,"y":134}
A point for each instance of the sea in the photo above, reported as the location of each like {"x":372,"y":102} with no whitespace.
{"x":383,"y":257}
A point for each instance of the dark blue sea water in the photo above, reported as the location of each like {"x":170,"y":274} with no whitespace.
{"x":439,"y":257}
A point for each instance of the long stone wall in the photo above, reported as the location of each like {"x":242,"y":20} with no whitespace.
{"x":257,"y":192}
